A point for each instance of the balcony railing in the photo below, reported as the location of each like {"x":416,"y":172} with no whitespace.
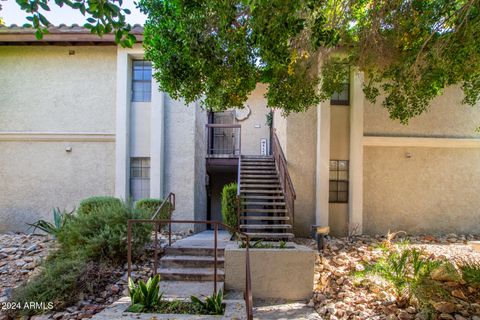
{"x":223,"y":140}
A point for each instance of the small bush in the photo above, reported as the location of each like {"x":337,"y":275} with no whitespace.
{"x":150,"y":206}
{"x":212,"y":305}
{"x":229,"y":205}
{"x":92,"y":203}
{"x":407,"y":271}
{"x":58,"y":282}
{"x":102,"y":234}
{"x":470,"y":270}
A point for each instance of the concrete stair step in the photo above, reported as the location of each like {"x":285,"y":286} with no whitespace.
{"x":269,"y":235}
{"x":266,"y":166}
{"x":186,"y":289}
{"x":259,"y":172}
{"x":262,"y":181}
{"x":193,"y":251}
{"x":258,"y":176}
{"x":190,"y":274}
{"x":264,"y":210}
{"x":264,"y":218}
{"x":187,"y":261}
{"x":264,"y":203}
{"x":261,"y":191}
{"x":266,"y":226}
{"x":255,"y":185}
{"x":262,"y":160}
{"x":264,"y":197}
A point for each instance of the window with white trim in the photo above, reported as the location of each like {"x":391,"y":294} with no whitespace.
{"x":139,"y":178}
{"x":141,"y":81}
{"x":339,"y":170}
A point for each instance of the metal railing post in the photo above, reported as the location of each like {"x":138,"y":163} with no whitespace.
{"x":215,"y":259}
{"x":129,"y":251}
{"x":155,"y":252}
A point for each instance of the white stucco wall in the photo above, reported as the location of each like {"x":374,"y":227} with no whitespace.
{"x":38,"y":176}
{"x":43,"y":88}
{"x":45,"y":91}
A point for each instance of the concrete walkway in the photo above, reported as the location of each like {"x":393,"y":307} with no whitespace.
{"x":204,"y":239}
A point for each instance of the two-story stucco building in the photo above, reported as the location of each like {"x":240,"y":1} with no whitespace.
{"x":81,"y":116}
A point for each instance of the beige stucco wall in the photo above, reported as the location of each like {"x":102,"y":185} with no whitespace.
{"x":46,"y":89}
{"x":184,"y":162}
{"x":254,"y":127}
{"x":447,"y":117}
{"x":301,"y":146}
{"x":434,"y":191}
{"x":276,"y":273}
{"x":38,"y":176}
{"x":280,"y":126}
{"x":339,"y":150}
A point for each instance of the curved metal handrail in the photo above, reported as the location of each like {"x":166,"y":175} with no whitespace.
{"x":248,"y":279}
{"x":169,"y":199}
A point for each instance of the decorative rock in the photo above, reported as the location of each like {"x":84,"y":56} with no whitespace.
{"x":446,"y":316}
{"x":459,"y":294}
{"x":444,"y":307}
{"x":404,"y":315}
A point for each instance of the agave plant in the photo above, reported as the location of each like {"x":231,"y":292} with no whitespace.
{"x":212,"y":305}
{"x":60,"y":218}
{"x":144,"y":296}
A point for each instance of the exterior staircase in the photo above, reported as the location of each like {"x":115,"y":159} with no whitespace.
{"x":263,"y":211}
{"x":187,"y":267}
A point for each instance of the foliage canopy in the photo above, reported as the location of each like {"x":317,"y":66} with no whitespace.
{"x":216,"y":51}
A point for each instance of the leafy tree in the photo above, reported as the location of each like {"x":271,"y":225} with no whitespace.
{"x":102,"y":17}
{"x":216,"y":51}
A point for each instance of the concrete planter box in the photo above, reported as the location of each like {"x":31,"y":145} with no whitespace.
{"x":276,"y":273}
{"x":234,"y":309}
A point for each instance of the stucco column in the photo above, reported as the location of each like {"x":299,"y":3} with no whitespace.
{"x":157,"y":134}
{"x":355,"y":201}
{"x":323,"y":164}
{"x":122,"y":124}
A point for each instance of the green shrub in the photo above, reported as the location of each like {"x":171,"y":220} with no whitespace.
{"x":407,"y":271}
{"x":229,"y":205}
{"x":60,"y":218}
{"x":58,"y":282}
{"x":102,"y":234}
{"x":150,"y":206}
{"x":470,"y":270}
{"x":91,"y":245}
{"x":212,"y":305}
{"x":92,"y":203}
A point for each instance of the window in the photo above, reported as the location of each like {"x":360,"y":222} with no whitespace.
{"x":141,"y":81}
{"x":338,"y":181}
{"x":139,"y":178}
{"x":342,"y":97}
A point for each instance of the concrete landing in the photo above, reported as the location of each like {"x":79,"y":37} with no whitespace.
{"x":204,"y":239}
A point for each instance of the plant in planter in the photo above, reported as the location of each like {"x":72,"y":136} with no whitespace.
{"x":212,"y":305}
{"x":144,"y":296}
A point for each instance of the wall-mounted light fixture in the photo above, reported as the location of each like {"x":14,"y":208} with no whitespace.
{"x":68,"y":149}
{"x":408,"y":155}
